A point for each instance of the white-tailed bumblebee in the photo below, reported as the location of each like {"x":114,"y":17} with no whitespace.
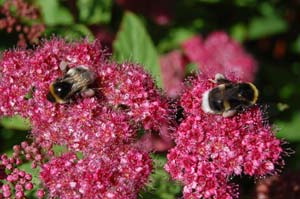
{"x":75,"y":81}
{"x":228,"y":97}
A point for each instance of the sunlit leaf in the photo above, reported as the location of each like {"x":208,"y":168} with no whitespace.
{"x":269,"y":23}
{"x":54,"y":13}
{"x":134,"y":44}
{"x":94,"y":11}
{"x":15,"y":122}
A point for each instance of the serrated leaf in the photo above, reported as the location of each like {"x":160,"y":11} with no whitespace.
{"x":290,"y":130}
{"x":54,"y":13}
{"x":94,"y":11}
{"x":16,"y":123}
{"x":134,"y":44}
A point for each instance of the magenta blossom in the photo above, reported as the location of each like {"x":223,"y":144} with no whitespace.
{"x":125,"y":102}
{"x":210,"y":149}
{"x":105,"y":118}
{"x":15,"y":181}
{"x":15,"y":15}
{"x":173,"y":71}
{"x":134,"y":91}
{"x":218,"y":53}
{"x":117,"y":173}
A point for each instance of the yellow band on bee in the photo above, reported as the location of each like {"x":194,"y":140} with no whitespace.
{"x":57,"y":99}
{"x":256,"y":93}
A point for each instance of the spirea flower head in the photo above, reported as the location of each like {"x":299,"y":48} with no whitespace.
{"x":210,"y":149}
{"x":15,"y":15}
{"x":134,"y":91}
{"x":218,"y":53}
{"x":115,"y":174}
{"x":126,"y":101}
{"x":173,"y":72}
{"x":102,"y":118}
{"x":17,"y":182}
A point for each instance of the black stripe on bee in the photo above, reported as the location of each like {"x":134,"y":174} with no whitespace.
{"x":229,"y":97}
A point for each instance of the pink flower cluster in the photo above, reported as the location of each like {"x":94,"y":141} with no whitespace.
{"x":173,"y":72}
{"x":17,"y":182}
{"x":210,"y":149}
{"x":113,"y":173}
{"x":126,"y":101}
{"x":15,"y":16}
{"x":218,"y":53}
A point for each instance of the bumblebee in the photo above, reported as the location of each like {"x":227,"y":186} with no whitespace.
{"x":75,"y":81}
{"x":227,"y":98}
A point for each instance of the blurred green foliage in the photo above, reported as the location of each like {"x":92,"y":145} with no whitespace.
{"x":268,"y":29}
{"x":54,"y":13}
{"x":15,"y":123}
{"x":160,"y":184}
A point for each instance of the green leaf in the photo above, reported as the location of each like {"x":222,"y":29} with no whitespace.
{"x":35,"y":173}
{"x":269,"y":23}
{"x":262,"y":27}
{"x":54,"y":13}
{"x":209,"y":1}
{"x":239,"y":32}
{"x":191,"y":68}
{"x":15,"y":122}
{"x":174,"y":38}
{"x":296,"y":45}
{"x":290,"y":130}
{"x":161,"y":186}
{"x":245,"y":2}
{"x":94,"y":11}
{"x":72,"y":32}
{"x":134,"y":44}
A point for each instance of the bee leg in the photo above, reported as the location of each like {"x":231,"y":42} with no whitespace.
{"x":88,"y":93}
{"x":229,"y":113}
{"x":64,"y":66}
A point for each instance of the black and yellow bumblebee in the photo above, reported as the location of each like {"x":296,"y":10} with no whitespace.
{"x":76,"y":80}
{"x":228,"y":97}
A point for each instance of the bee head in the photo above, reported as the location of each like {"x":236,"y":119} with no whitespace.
{"x":59,"y":91}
